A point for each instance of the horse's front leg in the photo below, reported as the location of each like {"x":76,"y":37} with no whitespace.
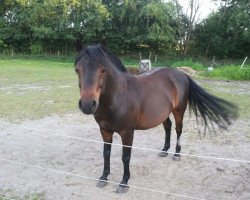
{"x":107,"y":138}
{"x":127,"y":141}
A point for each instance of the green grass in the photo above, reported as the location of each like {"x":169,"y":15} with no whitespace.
{"x":189,"y":63}
{"x":45,"y":57}
{"x":233,"y":92}
{"x":33,"y":89}
{"x":229,"y":72}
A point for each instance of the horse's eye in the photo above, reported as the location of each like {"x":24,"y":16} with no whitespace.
{"x":103,"y":71}
{"x":77,"y":71}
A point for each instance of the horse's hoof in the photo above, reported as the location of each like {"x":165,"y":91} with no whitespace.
{"x":101,"y":183}
{"x":163,"y":154}
{"x":122,"y":189}
{"x":176,"y":157}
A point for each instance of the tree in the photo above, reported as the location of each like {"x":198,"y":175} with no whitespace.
{"x":185,"y":23}
{"x":225,"y":33}
{"x":158,"y":30}
{"x":47,"y":25}
{"x":137,"y":25}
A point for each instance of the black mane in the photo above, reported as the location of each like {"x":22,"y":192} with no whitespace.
{"x":103,"y":56}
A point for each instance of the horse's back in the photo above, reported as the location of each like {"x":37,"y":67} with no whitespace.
{"x":171,"y":78}
{"x":165,"y":72}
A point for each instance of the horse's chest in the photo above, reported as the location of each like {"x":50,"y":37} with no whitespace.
{"x":110,"y":124}
{"x":104,"y":124}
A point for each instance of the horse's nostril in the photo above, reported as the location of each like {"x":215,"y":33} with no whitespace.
{"x":93,"y":104}
{"x":88,"y":107}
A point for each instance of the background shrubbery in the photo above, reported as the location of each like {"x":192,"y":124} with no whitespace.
{"x":129,"y":26}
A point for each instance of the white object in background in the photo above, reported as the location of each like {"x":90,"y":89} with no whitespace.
{"x":243,"y":63}
{"x":210,"y":69}
{"x":145,"y":65}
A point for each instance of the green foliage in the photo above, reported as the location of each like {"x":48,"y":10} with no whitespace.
{"x":2,"y":45}
{"x":36,"y":49}
{"x":157,"y":30}
{"x":158,"y":26}
{"x":52,"y":24}
{"x":230,"y":72}
{"x":139,"y":25}
{"x":225,"y":33}
{"x":55,"y":24}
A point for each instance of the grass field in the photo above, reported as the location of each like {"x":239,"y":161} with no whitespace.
{"x":229,"y":72}
{"x":34,"y":88}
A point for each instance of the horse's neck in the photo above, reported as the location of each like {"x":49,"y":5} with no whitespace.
{"x":115,"y":83}
{"x":115,"y":88}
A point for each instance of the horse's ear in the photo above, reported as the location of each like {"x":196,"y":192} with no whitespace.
{"x":78,"y":45}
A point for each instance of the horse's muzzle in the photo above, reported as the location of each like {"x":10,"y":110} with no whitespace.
{"x":87,"y":106}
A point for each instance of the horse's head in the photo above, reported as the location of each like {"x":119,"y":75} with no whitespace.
{"x":91,"y":74}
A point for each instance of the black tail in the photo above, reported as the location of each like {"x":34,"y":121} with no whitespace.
{"x":210,"y":108}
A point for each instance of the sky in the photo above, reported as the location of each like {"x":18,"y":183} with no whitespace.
{"x":207,"y":6}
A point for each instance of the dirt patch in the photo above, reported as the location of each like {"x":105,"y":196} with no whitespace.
{"x":27,"y":87}
{"x":133,"y":70}
{"x":229,"y":87}
{"x":188,"y":70}
{"x":203,"y":178}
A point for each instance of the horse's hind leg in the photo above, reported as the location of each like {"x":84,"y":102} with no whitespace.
{"x":167,"y":126}
{"x":178,"y":115}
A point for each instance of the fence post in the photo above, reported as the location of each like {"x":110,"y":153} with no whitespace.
{"x":150,"y":55}
{"x":58,"y":54}
{"x":155,"y":58}
{"x":12,"y":53}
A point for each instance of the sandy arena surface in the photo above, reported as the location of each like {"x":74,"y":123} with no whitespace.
{"x":203,"y":178}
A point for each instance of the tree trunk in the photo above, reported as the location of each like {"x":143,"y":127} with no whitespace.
{"x":194,"y":8}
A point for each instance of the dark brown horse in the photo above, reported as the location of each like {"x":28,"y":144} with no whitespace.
{"x":123,"y":103}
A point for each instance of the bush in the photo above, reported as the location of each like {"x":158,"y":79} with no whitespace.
{"x":2,"y":44}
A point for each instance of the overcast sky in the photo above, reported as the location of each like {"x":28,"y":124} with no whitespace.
{"x":207,"y":6}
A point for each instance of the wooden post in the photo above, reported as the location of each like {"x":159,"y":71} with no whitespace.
{"x":12,"y":53}
{"x":58,"y":54}
{"x":213,"y":59}
{"x":155,"y":58}
{"x":140,"y":55}
{"x":150,"y":55}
